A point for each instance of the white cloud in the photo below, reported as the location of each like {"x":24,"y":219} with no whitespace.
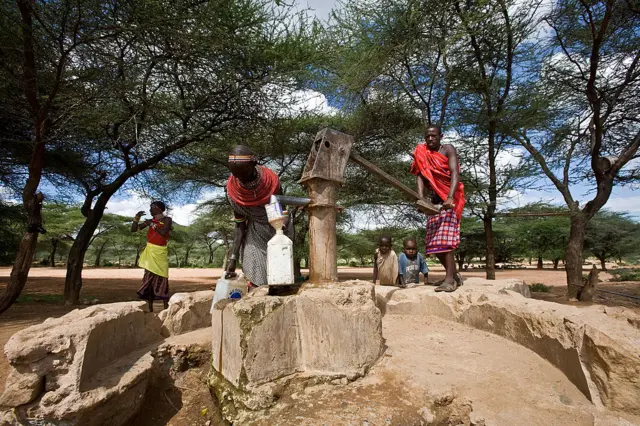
{"x":183,"y":214}
{"x":301,"y":101}
{"x":129,"y":203}
{"x":509,"y":157}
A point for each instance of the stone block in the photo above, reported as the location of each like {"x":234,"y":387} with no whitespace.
{"x":328,"y":332}
{"x":340,"y":329}
{"x":186,"y":312}
{"x":89,"y":367}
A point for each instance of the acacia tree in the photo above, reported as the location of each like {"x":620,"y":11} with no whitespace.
{"x":183,"y":74}
{"x":41,"y":90}
{"x":589,"y":91}
{"x":611,"y":235}
{"x":494,"y":42}
{"x":62,"y":223}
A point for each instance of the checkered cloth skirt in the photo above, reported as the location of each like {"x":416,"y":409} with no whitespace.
{"x":443,"y":232}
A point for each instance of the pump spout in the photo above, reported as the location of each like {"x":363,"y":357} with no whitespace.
{"x":287,"y":200}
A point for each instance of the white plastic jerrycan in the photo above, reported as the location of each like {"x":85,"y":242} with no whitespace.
{"x":229,"y":288}
{"x":280,"y":260}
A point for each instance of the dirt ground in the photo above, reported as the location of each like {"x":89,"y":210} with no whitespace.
{"x":41,"y":297}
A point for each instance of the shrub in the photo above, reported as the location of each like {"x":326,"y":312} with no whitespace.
{"x":626,"y":275}
{"x":539,"y":288}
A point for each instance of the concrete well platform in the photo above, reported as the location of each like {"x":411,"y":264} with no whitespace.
{"x":261,"y":343}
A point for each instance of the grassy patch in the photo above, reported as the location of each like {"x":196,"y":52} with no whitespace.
{"x":539,"y":288}
{"x":625,"y":274}
{"x":40,"y":298}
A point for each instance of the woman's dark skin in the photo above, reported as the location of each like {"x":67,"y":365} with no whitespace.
{"x":245,"y":172}
{"x":168,"y":223}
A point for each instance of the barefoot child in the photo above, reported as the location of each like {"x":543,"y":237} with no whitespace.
{"x":385,"y":263}
{"x":411,"y":263}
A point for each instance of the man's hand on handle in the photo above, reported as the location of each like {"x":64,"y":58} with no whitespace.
{"x":448,"y":204}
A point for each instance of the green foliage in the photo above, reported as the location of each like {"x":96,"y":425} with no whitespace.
{"x":62,"y":223}
{"x":12,"y":225}
{"x":626,"y":274}
{"x":41,"y":298}
{"x":612,"y":236}
{"x":539,"y":288}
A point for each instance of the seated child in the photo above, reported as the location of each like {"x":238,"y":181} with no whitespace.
{"x":411,"y":263}
{"x":385,"y":263}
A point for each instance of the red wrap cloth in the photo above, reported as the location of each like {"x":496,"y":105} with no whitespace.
{"x":258,"y":196}
{"x":434,"y":167}
{"x":154,"y":237}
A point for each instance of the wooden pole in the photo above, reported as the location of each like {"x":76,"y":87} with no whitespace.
{"x":533,"y":214}
{"x":323,"y":251}
{"x":424,"y":206}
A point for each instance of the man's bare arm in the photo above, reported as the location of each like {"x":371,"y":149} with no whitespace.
{"x":452,"y":155}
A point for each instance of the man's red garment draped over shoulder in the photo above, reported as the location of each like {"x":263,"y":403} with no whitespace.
{"x":438,"y":172}
{"x":434,"y":167}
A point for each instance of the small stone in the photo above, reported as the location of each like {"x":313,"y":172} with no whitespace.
{"x":445,"y":399}
{"x":21,"y":389}
{"x":344,"y":381}
{"x":95,"y":301}
{"x":336,"y":382}
{"x":427,"y":415}
{"x":208,"y":423}
{"x":476,"y":420}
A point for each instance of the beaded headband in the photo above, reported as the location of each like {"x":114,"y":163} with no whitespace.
{"x":235,"y":158}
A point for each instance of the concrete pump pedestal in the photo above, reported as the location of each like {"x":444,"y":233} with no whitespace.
{"x":263,"y":343}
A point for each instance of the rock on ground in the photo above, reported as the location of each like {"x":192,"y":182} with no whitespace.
{"x":187,"y":312}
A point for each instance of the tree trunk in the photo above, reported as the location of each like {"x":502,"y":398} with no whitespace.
{"x":539,"y":266}
{"x":555,"y":264}
{"x":54,"y":247}
{"x":573,"y":255}
{"x":99,"y":254}
{"x":603,"y":264}
{"x":530,"y":261}
{"x":586,"y":293}
{"x":75,"y":261}
{"x":135,"y":263}
{"x":186,"y":256}
{"x":491,"y":259}
{"x":210,"y":253}
{"x":20,"y":271}
{"x":31,"y":198}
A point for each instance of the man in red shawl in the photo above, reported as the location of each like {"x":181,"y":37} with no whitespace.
{"x":249,"y":188}
{"x":437,"y":169}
